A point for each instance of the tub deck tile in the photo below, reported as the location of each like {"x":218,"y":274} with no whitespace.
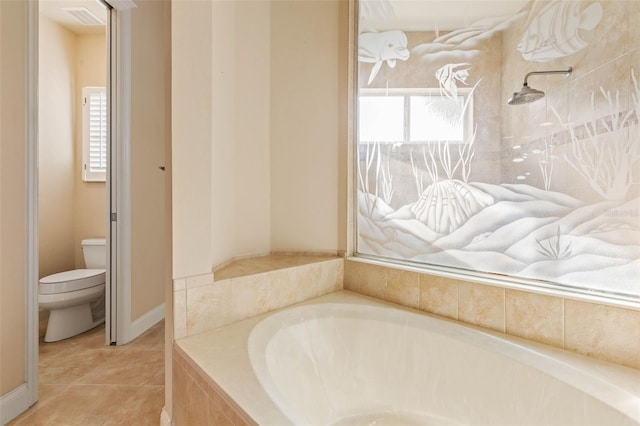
{"x":274,"y":262}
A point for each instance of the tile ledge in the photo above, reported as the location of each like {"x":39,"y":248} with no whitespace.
{"x":271,"y":262}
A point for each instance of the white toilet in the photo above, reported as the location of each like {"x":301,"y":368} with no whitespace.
{"x":75,"y":299}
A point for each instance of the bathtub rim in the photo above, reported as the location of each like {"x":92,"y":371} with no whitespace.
{"x":617,"y":394}
{"x":258,"y":405}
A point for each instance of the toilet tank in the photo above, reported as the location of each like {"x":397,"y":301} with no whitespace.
{"x":95,"y":253}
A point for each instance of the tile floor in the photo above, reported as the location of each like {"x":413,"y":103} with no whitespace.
{"x":84,"y":382}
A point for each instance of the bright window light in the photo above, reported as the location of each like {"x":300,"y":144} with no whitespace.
{"x":381,"y":118}
{"x":436,"y":118}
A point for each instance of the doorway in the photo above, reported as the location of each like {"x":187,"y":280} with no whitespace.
{"x":120,"y":328}
{"x":73,"y":161}
{"x":138,"y":180}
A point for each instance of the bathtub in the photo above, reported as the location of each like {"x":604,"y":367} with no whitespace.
{"x":345,"y":359}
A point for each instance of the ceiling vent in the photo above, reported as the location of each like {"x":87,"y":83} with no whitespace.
{"x":84,"y":15}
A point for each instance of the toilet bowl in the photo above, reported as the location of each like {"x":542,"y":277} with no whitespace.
{"x":75,"y":299}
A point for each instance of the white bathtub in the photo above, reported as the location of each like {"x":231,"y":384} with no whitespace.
{"x":348,"y":360}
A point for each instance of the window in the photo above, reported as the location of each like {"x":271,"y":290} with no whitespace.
{"x":94,"y":134}
{"x":414,"y":116}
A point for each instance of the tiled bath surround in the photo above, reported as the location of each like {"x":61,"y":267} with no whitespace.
{"x":199,"y":401}
{"x":604,"y":332}
{"x":255,"y":286}
{"x":251,"y":287}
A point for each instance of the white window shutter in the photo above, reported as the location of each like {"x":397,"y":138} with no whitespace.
{"x":94,"y":134}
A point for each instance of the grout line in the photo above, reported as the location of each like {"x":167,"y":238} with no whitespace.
{"x":504,"y":310}
{"x":89,"y":343}
{"x":457,"y":300}
{"x":564,"y":324}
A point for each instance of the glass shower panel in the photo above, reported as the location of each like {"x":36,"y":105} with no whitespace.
{"x":449,"y":174}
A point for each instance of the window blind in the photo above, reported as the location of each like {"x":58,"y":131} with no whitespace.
{"x":94,"y":134}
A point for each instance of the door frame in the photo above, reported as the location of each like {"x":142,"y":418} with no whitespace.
{"x":118,"y":279}
{"x":32,"y":267}
{"x":118,"y":186}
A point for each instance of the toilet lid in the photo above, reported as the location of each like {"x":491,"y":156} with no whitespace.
{"x":77,"y":279}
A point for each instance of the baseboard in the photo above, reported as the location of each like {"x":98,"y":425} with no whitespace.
{"x":145,"y":322}
{"x":165,"y":419}
{"x":14,"y":403}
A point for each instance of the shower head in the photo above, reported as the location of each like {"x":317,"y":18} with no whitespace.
{"x":529,"y":94}
{"x":525,"y":96}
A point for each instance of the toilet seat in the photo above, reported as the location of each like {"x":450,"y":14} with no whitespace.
{"x":78,"y":279}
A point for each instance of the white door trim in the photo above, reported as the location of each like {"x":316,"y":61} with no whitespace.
{"x":31,"y":302}
{"x":119,"y":180}
{"x":119,"y":229}
{"x":21,"y":398}
{"x":121,"y":5}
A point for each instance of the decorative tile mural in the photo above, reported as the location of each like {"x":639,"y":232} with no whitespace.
{"x":450,"y":174}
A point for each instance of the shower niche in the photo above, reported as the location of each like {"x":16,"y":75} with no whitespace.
{"x":449,"y":173}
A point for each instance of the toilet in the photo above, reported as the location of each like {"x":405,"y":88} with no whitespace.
{"x":75,"y":299}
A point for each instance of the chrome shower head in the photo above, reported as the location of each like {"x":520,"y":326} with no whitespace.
{"x":525,"y":96}
{"x":528,"y":94}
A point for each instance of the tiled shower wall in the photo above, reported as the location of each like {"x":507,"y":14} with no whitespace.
{"x":605,"y":332}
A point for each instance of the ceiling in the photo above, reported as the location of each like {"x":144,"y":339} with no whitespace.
{"x":430,"y":15}
{"x":407,"y":15}
{"x":54,"y":10}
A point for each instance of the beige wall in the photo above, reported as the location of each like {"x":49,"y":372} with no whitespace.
{"x":57,"y":108}
{"x":13,"y":19}
{"x":191,"y":82}
{"x":240,"y":118}
{"x":70,"y":209}
{"x":221,"y":119}
{"x":259,"y":129}
{"x":223,"y":81}
{"x":251,"y":141}
{"x":250,"y":91}
{"x":306,"y":116}
{"x":149,"y":137}
{"x":90,"y":203}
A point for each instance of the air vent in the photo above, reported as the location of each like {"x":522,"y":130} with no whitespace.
{"x":83,"y":15}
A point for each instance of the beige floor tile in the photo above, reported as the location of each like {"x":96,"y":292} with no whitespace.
{"x":48,"y":392}
{"x":100,"y":405}
{"x":95,"y":339}
{"x":132,"y":367}
{"x":45,"y":394}
{"x":125,"y":384}
{"x":92,"y":339}
{"x":153,"y":339}
{"x":142,"y":407}
{"x":71,"y":365}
